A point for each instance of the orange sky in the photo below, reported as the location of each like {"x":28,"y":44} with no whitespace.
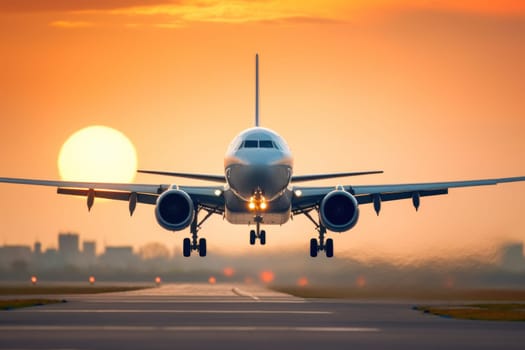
{"x":426,"y":91}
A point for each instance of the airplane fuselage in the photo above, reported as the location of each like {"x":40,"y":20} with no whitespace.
{"x":258,"y":167}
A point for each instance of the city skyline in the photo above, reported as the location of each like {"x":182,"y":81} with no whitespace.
{"x":69,"y":244}
{"x":69,"y":263}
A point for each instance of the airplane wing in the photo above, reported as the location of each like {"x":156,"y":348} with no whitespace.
{"x":307,"y":198}
{"x":208,"y":197}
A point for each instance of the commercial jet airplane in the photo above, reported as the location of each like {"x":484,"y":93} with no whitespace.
{"x":258,"y":188}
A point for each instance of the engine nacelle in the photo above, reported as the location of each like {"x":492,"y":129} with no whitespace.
{"x":339,"y":211}
{"x":174,"y":210}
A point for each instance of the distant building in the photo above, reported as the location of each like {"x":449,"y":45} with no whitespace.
{"x":15,"y":256}
{"x":37,"y":248}
{"x":50,"y":259}
{"x":89,"y":249}
{"x":51,"y":251}
{"x":119,"y":257}
{"x":89,"y":257}
{"x":68,"y":245}
{"x":512,"y":257}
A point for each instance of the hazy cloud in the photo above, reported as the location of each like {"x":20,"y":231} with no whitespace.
{"x":178,"y":13}
{"x":74,"y":5}
{"x":236,"y":11}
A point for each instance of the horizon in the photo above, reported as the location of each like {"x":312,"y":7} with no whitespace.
{"x":489,"y":256}
{"x":156,"y":262}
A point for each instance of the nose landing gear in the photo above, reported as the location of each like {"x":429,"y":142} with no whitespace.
{"x":258,"y":233}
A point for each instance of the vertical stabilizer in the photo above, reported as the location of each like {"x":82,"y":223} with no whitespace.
{"x":256,"y":89}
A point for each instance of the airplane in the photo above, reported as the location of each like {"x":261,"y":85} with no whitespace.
{"x":258,"y":188}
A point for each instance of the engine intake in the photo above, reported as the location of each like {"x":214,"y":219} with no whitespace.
{"x":339,"y":211}
{"x":174,"y":210}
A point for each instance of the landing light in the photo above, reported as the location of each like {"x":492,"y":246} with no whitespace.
{"x":217,"y":192}
{"x":298,"y":193}
{"x":257,"y":203}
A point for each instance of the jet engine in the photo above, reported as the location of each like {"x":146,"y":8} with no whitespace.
{"x":339,"y":211}
{"x":174,"y":210}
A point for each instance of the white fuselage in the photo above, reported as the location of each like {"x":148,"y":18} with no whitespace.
{"x":258,"y":167}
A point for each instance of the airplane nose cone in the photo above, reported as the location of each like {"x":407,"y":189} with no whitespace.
{"x":246,"y":179}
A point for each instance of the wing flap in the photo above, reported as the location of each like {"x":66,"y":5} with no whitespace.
{"x":385,"y":197}
{"x":430,"y":186}
{"x":115,"y":195}
{"x":309,"y":197}
{"x":209,"y":197}
{"x":139,"y":188}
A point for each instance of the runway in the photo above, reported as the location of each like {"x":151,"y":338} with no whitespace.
{"x":190,"y":316}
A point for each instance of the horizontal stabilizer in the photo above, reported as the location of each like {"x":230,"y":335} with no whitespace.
{"x":204,"y":177}
{"x":299,"y":178}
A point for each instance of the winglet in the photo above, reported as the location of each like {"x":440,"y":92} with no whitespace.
{"x":257,"y":89}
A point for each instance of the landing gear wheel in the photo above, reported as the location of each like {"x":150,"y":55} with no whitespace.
{"x":313,"y":247}
{"x":329,"y":248}
{"x":262,"y":237}
{"x":186,"y":247}
{"x":202,"y":247}
{"x":252,"y":237}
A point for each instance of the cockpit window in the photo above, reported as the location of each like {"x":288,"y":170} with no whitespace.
{"x":251,"y":144}
{"x":259,"y":144}
{"x":265,"y":144}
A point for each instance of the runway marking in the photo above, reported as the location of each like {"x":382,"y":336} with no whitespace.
{"x":188,"y":329}
{"x":123,"y":311}
{"x":242,"y":293}
{"x":191,"y":300}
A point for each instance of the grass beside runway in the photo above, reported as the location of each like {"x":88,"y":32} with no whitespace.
{"x":511,"y":310}
{"x":19,"y":303}
{"x":481,"y":312}
{"x":415,"y":293}
{"x":64,"y":290}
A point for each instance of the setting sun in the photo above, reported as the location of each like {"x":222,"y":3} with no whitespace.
{"x":97,"y":153}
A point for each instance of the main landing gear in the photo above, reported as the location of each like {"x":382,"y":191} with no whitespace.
{"x":258,"y":233}
{"x":191,"y":244}
{"x":320,"y":244}
{"x":194,"y":243}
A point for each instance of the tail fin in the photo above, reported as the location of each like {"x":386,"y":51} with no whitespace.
{"x":257,"y":89}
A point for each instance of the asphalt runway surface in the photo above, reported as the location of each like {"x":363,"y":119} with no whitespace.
{"x":193,"y":316}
